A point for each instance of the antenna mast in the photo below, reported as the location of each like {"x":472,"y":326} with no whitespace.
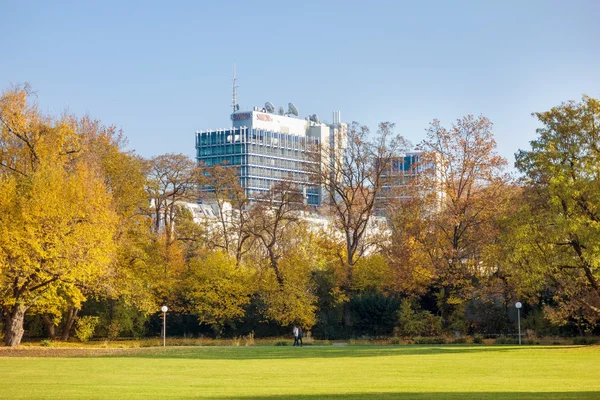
{"x":235,"y":103}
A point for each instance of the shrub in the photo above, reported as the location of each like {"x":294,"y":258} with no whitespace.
{"x":457,"y":320}
{"x":34,"y":326}
{"x":114,"y":328}
{"x":375,"y":314}
{"x":395,"y":340}
{"x":506,"y":340}
{"x":429,"y":340}
{"x":117,"y":319}
{"x":282,"y":343}
{"x":413,"y":321}
{"x":477,"y":340}
{"x":85,"y":327}
{"x":46,"y":343}
{"x":460,"y":340}
{"x":538,"y":323}
{"x":585,"y":340}
{"x":488,"y":317}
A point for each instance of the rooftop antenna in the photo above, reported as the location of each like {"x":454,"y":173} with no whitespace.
{"x":292,"y":109}
{"x":236,"y":106}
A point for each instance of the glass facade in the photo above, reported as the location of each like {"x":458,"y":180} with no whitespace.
{"x":401,"y":172}
{"x":261,"y":157}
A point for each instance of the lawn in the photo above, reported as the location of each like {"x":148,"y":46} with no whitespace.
{"x":308,"y":373}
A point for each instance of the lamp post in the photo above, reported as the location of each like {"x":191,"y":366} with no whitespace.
{"x":164,"y":309}
{"x":518,"y":305}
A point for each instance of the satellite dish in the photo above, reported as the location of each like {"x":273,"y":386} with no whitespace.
{"x":270,"y":107}
{"x":314,"y":118}
{"x":293,"y":109}
{"x":281,"y":111}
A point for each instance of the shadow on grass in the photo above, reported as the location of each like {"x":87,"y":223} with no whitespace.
{"x":430,"y":395}
{"x":250,"y":353}
{"x":267,"y":353}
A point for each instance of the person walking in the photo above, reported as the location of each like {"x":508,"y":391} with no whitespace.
{"x":295,"y":332}
{"x":300,"y":335}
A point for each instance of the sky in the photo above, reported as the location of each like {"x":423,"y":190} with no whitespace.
{"x":163,"y":70}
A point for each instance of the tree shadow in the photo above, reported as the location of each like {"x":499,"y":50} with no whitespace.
{"x":428,"y":396}
{"x":270,"y":353}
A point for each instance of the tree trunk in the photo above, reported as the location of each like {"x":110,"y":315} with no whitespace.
{"x":443,"y":305}
{"x":347,"y":316}
{"x":347,"y":288}
{"x":275,"y":266}
{"x":13,"y":332}
{"x":50,"y":327}
{"x":71,"y":315}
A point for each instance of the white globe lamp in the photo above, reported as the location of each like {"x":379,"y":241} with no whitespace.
{"x":518,"y":305}
{"x":164,"y":310}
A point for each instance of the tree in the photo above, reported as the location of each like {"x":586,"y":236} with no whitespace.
{"x":272,"y":216}
{"x":372,"y":274}
{"x":217,"y":289}
{"x":352,"y":178}
{"x":232,"y":233}
{"x":289,"y":297}
{"x":410,"y":270}
{"x":190,"y":233}
{"x":457,"y":199}
{"x":283,"y":261}
{"x":559,"y":236}
{"x":56,"y":220}
{"x":171,"y":178}
{"x":123,"y":174}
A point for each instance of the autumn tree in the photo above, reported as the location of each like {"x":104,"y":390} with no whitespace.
{"x":129,"y":278}
{"x":283,"y":267}
{"x":352,"y":177}
{"x":217,"y":289}
{"x":456,"y":199}
{"x":190,"y":232}
{"x":170,"y":178}
{"x":56,"y":219}
{"x":410,"y":270}
{"x":274,"y":213}
{"x":232,"y":232}
{"x":558,"y":235}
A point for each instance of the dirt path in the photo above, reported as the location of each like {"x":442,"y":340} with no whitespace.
{"x":30,"y":351}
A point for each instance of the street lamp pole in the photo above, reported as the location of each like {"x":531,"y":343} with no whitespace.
{"x":518,"y":305}
{"x":164,"y":309}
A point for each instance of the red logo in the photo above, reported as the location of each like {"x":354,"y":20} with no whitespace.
{"x":264,"y":117}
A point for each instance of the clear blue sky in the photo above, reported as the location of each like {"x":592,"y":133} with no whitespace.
{"x":162,"y":70}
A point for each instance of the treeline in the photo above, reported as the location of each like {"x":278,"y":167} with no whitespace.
{"x":94,"y":239}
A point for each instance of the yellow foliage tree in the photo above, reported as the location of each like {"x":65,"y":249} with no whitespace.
{"x":289,"y":292}
{"x":218,"y":289}
{"x":56,"y":220}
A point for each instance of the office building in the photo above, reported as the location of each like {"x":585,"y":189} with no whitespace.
{"x":267,"y":147}
{"x":401,"y":173}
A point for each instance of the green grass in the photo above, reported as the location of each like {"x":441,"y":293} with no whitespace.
{"x":309,"y":373}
